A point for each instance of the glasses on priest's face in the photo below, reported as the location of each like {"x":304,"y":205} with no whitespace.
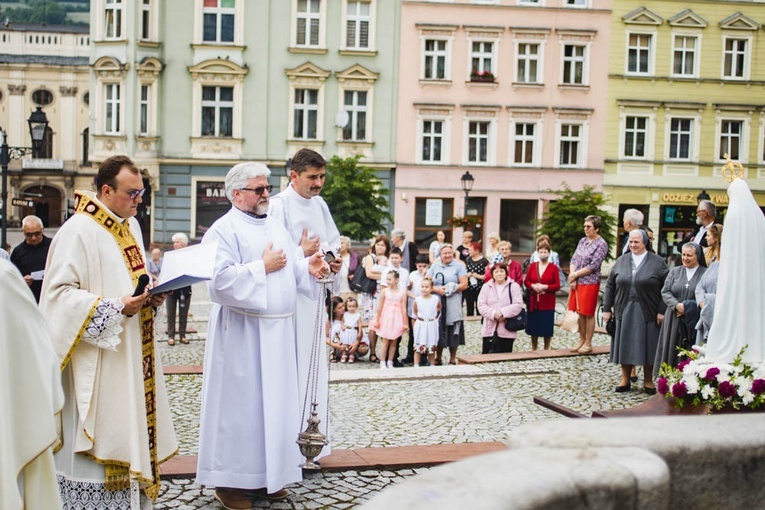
{"x":133,"y":193}
{"x":33,"y":234}
{"x":260,"y":189}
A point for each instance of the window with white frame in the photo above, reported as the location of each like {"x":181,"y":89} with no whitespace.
{"x":680,"y":138}
{"x":308,"y":22}
{"x":143,"y":111}
{"x":684,"y":55}
{"x":218,"y":21}
{"x":530,"y":2}
{"x":574,"y":56}
{"x":639,"y":53}
{"x":735,"y":58}
{"x":433,"y":143}
{"x":112,"y":108}
{"x":635,"y":136}
{"x":357,"y":24}
{"x":355,"y":103}
{"x":478,"y":141}
{"x":576,"y":3}
{"x":113,"y":19}
{"x":146,"y":20}
{"x":570,"y":145}
{"x":306,"y":114}
{"x":482,"y":57}
{"x":524,"y":139}
{"x":731,"y":138}
{"x":436,"y":56}
{"x":527,"y":57}
{"x":217,"y":111}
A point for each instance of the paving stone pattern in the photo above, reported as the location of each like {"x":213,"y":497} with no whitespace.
{"x":484,"y":405}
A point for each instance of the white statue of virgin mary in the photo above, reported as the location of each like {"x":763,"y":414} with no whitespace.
{"x":739,"y":318}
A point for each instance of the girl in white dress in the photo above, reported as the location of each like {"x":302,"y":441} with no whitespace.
{"x":336,"y":333}
{"x":352,"y":330}
{"x":427,"y":309}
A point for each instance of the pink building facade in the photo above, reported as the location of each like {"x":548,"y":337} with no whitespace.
{"x":512,"y":91}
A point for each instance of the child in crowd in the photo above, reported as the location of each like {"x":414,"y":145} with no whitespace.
{"x":380,"y":265}
{"x":340,"y":339}
{"x":352,"y":330}
{"x":427,"y":309}
{"x":422,"y":262}
{"x":390,"y":320}
{"x":394,"y":263}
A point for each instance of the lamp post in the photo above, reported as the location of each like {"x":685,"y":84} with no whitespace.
{"x":38,"y":124}
{"x":466,"y":181}
{"x":702,"y":196}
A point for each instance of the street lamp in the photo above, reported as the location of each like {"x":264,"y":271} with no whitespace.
{"x":38,"y":124}
{"x":287,"y":167}
{"x":466,"y":181}
{"x":702,"y":196}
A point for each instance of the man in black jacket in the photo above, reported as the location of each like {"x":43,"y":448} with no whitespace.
{"x":30,"y":255}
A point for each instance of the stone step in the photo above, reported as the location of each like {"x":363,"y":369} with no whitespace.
{"x":390,"y":458}
{"x":528,"y":355}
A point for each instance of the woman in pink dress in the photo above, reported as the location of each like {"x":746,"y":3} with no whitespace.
{"x":390,"y":320}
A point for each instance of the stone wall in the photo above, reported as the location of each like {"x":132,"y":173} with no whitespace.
{"x":699,"y":462}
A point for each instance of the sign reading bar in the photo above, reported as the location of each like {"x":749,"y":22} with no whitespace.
{"x":211,"y":204}
{"x":22,"y":202}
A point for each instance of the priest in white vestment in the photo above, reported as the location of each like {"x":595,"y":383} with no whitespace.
{"x":30,"y":398}
{"x":251,"y":401}
{"x":306,"y":216}
{"x":116,"y":427}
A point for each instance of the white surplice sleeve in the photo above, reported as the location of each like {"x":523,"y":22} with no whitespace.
{"x":104,"y":328}
{"x":236,"y":284}
{"x":306,"y":284}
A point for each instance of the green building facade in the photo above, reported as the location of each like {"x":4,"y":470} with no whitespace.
{"x":200,"y":85}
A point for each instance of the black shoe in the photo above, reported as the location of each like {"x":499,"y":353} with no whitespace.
{"x":397,"y":364}
{"x":407,"y":360}
{"x":622,"y":389}
{"x":633,"y":378}
{"x":649,"y":391}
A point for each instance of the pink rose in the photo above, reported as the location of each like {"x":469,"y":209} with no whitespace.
{"x":679,"y":390}
{"x":726,"y":389}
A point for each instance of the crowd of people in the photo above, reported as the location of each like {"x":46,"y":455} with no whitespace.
{"x":115,"y":426}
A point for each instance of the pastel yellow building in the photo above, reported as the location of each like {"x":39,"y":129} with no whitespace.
{"x":686,"y":87}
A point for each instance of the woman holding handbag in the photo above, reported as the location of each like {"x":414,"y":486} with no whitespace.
{"x":368,"y":301}
{"x":584,"y":279}
{"x":543,"y":281}
{"x":499,"y":299}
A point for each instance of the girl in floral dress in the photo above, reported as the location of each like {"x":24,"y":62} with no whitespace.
{"x":352,"y":330}
{"x":390,"y":320}
{"x":427,"y":308}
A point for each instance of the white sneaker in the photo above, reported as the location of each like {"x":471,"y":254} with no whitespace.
{"x":390,"y":364}
{"x":383,"y":365}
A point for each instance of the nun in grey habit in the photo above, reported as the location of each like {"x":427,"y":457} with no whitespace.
{"x":633,"y":296}
{"x":679,"y":294}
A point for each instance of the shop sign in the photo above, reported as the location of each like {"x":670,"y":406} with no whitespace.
{"x":434,"y":212}
{"x":691,"y":198}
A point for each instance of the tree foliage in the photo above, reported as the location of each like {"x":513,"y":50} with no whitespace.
{"x":565,"y":216}
{"x":356,"y":198}
{"x":40,"y":12}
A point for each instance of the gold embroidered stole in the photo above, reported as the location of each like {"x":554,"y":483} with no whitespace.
{"x":118,"y":474}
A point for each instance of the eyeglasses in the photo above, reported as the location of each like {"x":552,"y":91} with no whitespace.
{"x":588,"y":226}
{"x":133,"y":194}
{"x":260,"y":189}
{"x":33,"y":234}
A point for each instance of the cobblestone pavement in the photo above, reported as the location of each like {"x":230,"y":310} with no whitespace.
{"x":401,"y":407}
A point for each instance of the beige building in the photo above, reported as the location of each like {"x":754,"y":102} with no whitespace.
{"x":45,"y":66}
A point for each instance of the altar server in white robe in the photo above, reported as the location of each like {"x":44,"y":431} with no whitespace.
{"x":306,"y":216}
{"x":251,"y":402}
{"x":116,"y":423}
{"x":30,"y":398}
